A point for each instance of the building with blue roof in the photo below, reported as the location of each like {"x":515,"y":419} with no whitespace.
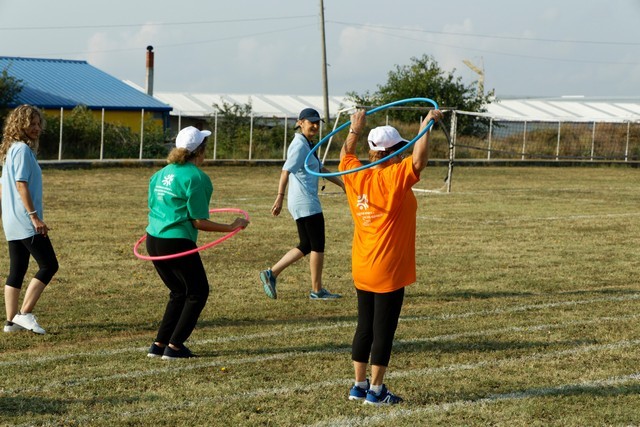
{"x":60,"y":84}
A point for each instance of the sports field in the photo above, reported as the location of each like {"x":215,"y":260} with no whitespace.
{"x":525,"y":311}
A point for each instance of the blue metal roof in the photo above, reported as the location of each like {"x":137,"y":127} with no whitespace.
{"x":56,"y":83}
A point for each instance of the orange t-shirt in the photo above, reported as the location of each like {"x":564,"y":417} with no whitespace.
{"x":383,"y":207}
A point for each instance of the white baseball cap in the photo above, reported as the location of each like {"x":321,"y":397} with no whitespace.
{"x":383,"y":138}
{"x":191,"y":138}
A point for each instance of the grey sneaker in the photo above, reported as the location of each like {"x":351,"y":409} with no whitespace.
{"x":268,"y":283}
{"x":323,"y":294}
{"x":12,"y":327}
{"x":28,"y":321}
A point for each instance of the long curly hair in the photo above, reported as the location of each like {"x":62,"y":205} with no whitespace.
{"x":15,"y":127}
{"x":182,"y":155}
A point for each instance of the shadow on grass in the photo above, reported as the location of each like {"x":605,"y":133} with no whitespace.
{"x":568,"y":390}
{"x":465,"y":295}
{"x":291,"y":321}
{"x":152,"y":326}
{"x":426,"y":348}
{"x":486,"y":346}
{"x":470,"y":294}
{"x":18,"y":406}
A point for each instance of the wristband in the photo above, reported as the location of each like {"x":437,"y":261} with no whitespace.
{"x":32,"y":213}
{"x":352,"y":131}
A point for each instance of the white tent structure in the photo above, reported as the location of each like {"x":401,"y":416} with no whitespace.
{"x":569,"y":108}
{"x":276,"y":106}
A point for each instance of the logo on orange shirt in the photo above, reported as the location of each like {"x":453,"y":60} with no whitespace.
{"x":363,"y":202}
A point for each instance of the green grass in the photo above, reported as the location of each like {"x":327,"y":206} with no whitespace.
{"x":525,"y":311}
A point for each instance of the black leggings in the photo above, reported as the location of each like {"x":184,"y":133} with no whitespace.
{"x":188,"y":285}
{"x":378,"y":316}
{"x":311,"y":233}
{"x":42,"y":251}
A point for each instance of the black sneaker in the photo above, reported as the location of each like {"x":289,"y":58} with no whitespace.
{"x":171,"y":354}
{"x":155,"y":351}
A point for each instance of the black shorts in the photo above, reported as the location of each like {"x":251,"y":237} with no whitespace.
{"x":311,"y":233}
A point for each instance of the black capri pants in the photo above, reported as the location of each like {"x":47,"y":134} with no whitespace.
{"x":311,"y":233}
{"x":378,"y":316}
{"x":188,"y":288}
{"x":41,"y":249}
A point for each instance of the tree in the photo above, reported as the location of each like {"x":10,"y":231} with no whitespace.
{"x":10,"y":87}
{"x":424,"y":78}
{"x":235,"y":120}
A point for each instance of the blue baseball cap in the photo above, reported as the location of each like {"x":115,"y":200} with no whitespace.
{"x":310,"y":114}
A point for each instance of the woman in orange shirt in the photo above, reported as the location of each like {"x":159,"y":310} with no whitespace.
{"x":383,"y":208}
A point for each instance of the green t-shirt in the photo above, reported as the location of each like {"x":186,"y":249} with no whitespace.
{"x":177,"y":195}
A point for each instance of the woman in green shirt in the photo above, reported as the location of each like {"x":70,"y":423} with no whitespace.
{"x":179,"y":196}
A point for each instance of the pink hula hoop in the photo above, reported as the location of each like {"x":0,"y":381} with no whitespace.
{"x":199,"y":248}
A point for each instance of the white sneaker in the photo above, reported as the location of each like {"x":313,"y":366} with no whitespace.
{"x":28,"y":321}
{"x":12,"y":327}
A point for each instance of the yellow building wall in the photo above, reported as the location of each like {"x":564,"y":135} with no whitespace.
{"x":130,"y":119}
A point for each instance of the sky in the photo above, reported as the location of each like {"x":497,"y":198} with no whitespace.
{"x":546,"y":48}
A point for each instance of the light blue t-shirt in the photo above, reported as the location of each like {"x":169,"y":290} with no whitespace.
{"x":302,"y":198}
{"x":20,"y":165}
{"x":178,"y":194}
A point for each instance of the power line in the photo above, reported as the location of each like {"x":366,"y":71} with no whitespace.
{"x":156,"y":46}
{"x":449,"y":33}
{"x":517,"y":55}
{"x":85,"y":27}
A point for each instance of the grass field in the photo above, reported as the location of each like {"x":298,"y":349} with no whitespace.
{"x":525,"y":311}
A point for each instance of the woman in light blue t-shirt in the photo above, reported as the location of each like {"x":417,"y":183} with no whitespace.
{"x":22,"y":217}
{"x":178,"y":200}
{"x":304,"y":206}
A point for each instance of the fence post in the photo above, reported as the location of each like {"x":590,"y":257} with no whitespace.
{"x":215,"y":135}
{"x":284,"y":146}
{"x":558,"y":143}
{"x":524,"y":140}
{"x":490,"y":136}
{"x":141,"y":132}
{"x":452,"y":149}
{"x":593,"y":139}
{"x":250,"y":134}
{"x":60,"y":142}
{"x":102,"y":136}
{"x":626,"y":148}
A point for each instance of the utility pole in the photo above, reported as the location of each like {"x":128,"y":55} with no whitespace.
{"x":325,"y":84}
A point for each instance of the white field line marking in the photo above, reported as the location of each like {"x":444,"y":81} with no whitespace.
{"x":430,"y":372}
{"x":187,"y":366}
{"x":559,"y":390}
{"x":336,"y":325}
{"x":530,"y":219}
{"x":414,"y":373}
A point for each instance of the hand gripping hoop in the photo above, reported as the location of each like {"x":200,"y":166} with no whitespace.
{"x":199,"y":248}
{"x":377,"y":162}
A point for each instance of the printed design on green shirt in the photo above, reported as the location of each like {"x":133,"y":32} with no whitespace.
{"x":167,"y":180}
{"x":164,"y":190}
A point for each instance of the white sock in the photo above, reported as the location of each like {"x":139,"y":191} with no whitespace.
{"x":362,"y":384}
{"x":376,"y":388}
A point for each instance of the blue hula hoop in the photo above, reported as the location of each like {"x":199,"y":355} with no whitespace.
{"x":377,"y":162}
